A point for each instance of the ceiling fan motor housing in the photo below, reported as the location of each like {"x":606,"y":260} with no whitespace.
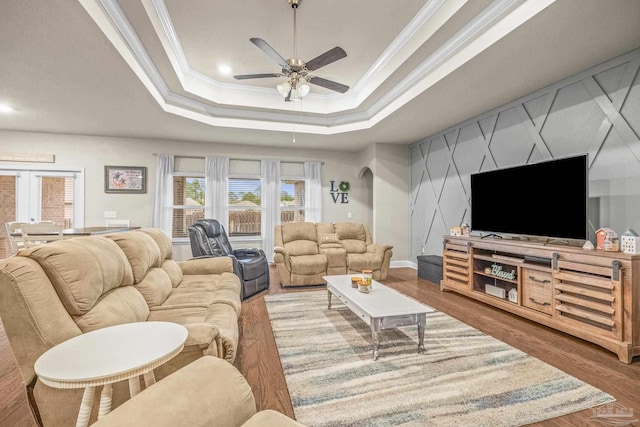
{"x":295,"y":3}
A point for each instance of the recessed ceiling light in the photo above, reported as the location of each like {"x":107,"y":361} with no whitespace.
{"x":224,"y":69}
{"x":5,"y":109}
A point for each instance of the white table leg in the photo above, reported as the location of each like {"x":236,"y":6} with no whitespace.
{"x":105,"y":400}
{"x":422,"y":323}
{"x":149,"y":379}
{"x":375,"y":336}
{"x":85,"y":407}
{"x":134,"y":386}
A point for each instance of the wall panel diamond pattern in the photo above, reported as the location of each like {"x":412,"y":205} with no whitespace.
{"x":596,"y":112}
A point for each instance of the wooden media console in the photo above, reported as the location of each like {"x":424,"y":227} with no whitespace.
{"x":592,"y":295}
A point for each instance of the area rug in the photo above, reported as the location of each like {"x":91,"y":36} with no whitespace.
{"x":464,"y":378}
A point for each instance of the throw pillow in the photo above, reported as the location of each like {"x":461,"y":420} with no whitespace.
{"x":327,"y":238}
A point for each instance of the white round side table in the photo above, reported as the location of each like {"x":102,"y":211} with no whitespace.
{"x":108,"y":355}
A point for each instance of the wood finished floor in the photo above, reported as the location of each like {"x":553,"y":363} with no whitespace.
{"x":258,"y":360}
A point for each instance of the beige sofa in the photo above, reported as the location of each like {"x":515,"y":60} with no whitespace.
{"x":305,"y":251}
{"x":59,"y":290}
{"x":212,"y":394}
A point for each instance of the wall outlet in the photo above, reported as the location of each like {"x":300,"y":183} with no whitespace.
{"x":110,"y":214}
{"x":349,"y":215}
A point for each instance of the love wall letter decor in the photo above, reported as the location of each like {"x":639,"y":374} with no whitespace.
{"x":340,"y":193}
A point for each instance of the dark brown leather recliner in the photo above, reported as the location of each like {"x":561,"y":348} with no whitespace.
{"x":208,"y":238}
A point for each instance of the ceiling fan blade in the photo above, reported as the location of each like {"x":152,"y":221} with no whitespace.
{"x":338,"y":87}
{"x":326,"y":58}
{"x":270,"y":52}
{"x":256,"y":76}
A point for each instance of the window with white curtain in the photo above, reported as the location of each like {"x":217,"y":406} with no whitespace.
{"x":245,"y":204}
{"x":245,"y":199}
{"x":188,"y":201}
{"x":292,"y":192}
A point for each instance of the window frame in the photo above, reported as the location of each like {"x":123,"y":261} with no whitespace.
{"x":183,"y":207}
{"x":261,"y":207}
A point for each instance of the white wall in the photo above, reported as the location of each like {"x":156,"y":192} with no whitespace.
{"x":390,"y":167}
{"x":92,"y":153}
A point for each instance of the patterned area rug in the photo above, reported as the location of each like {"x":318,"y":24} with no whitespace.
{"x":465,"y":378}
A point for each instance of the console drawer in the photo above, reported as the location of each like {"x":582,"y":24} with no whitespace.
{"x":537,"y":292}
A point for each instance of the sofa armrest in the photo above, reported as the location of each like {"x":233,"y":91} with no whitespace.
{"x":281,"y":256}
{"x":248,"y":252}
{"x":378,"y":248}
{"x":207,"y":392}
{"x":207,"y":265}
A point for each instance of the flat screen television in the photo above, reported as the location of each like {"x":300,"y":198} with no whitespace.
{"x":547,"y":199}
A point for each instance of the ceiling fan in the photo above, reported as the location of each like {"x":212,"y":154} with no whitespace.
{"x":297,"y":71}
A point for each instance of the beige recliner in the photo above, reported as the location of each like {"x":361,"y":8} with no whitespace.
{"x":305,"y":252}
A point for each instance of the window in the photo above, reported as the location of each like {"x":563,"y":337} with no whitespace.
{"x":292,"y":200}
{"x":245,"y":207}
{"x":188,"y":202}
{"x":292,"y":192}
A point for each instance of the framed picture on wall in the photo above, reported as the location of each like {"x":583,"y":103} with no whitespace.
{"x":125,"y":179}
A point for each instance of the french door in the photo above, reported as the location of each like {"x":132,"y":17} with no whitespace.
{"x":28,"y":195}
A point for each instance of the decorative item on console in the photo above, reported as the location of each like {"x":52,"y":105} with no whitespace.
{"x":496,"y":270}
{"x":465,"y":229}
{"x":513,"y":295}
{"x":601,"y":235}
{"x":611,"y":243}
{"x":630,"y":242}
{"x":455,"y":231}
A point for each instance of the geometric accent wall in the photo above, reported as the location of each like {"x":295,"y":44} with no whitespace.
{"x":595,"y":112}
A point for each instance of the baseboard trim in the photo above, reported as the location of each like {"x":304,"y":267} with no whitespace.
{"x":403,"y":264}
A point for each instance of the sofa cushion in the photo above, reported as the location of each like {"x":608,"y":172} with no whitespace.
{"x":301,"y":247}
{"x":173,"y":270}
{"x":155,"y":287}
{"x":198,"y":291}
{"x":141,"y":251}
{"x":354,"y":246}
{"x":121,"y":305}
{"x":82,"y":269}
{"x":351,"y":231}
{"x":309,"y":264}
{"x":162,"y":240}
{"x":366,"y":261}
{"x":299,"y":231}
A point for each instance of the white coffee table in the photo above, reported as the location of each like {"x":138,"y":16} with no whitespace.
{"x":381,"y":308}
{"x":108,"y":355}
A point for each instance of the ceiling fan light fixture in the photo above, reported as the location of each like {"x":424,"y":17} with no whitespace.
{"x":303,"y":89}
{"x":284,"y":88}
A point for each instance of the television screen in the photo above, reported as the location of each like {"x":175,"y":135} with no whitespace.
{"x":547,"y":199}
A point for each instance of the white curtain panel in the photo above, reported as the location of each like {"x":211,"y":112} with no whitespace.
{"x":216,"y":170}
{"x":270,"y":170}
{"x":163,"y":201}
{"x":313,"y":191}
